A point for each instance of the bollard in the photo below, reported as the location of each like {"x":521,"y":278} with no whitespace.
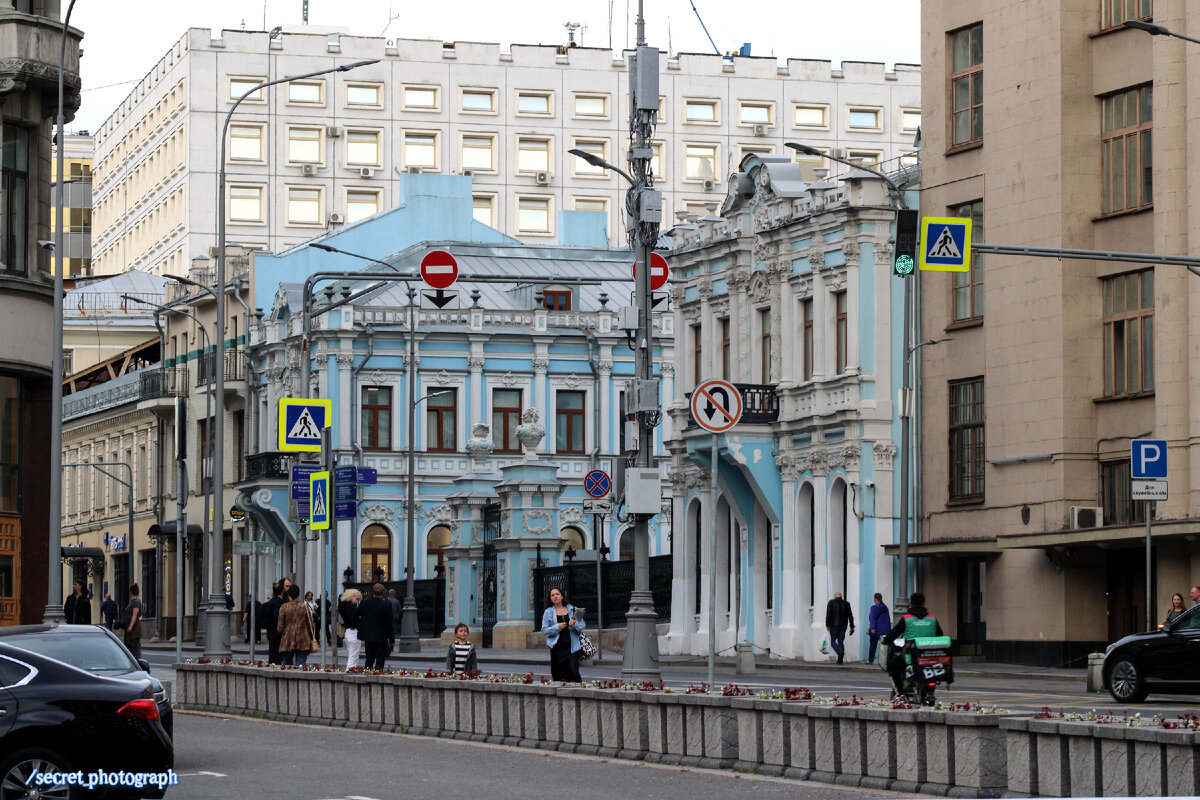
{"x":1095,"y":672}
{"x":745,"y":658}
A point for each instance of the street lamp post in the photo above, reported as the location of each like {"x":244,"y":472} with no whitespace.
{"x":1156,"y":30}
{"x":216,"y":638}
{"x":54,"y":608}
{"x":910,"y":298}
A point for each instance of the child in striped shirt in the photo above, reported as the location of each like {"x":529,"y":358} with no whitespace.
{"x":461,"y":656}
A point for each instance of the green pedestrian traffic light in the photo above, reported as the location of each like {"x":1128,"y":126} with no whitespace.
{"x":907,"y":234}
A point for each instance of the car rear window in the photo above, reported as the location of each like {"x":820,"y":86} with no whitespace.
{"x":92,"y":652}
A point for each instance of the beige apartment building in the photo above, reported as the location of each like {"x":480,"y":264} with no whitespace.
{"x":308,"y":156}
{"x":1054,"y":126}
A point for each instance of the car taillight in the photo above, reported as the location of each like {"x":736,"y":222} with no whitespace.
{"x":139,"y":709}
{"x":932,"y":683}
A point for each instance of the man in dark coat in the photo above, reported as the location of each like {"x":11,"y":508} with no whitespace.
{"x":271,"y":619}
{"x":109,"y":610}
{"x":837,"y":616}
{"x":77,"y":609}
{"x":375,"y":627}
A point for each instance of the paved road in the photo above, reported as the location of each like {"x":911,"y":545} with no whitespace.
{"x":219,"y":756}
{"x":1011,"y":690}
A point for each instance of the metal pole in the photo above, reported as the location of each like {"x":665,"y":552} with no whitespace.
{"x":327,"y":465}
{"x":905,"y":457}
{"x":711,"y":522}
{"x":597,"y":525}
{"x":410,"y":635}
{"x":54,"y":596}
{"x":1148,"y":510}
{"x":252,"y":633}
{"x":180,"y":531}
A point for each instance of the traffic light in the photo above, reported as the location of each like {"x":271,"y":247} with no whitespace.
{"x":907,"y":233}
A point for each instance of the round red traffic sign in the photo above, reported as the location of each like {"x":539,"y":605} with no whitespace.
{"x":439,"y":270}
{"x":658,"y":272}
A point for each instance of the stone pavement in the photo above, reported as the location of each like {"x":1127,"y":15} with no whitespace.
{"x":523,"y":660}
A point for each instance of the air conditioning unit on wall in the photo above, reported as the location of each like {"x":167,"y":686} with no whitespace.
{"x":1086,"y":517}
{"x":542,"y":179}
{"x":308,"y":170}
{"x":760,"y":129}
{"x":336,"y":218}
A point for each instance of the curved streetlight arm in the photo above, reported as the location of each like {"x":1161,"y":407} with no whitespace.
{"x":597,"y":161}
{"x":893,"y":187}
{"x":1156,"y":30}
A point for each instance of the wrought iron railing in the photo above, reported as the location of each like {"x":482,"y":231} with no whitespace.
{"x":123,"y":389}
{"x":578,"y":580}
{"x":235,"y":364}
{"x":430,"y":595}
{"x":268,"y":466}
{"x":163,"y":382}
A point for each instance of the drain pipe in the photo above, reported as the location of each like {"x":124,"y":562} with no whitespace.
{"x":160,"y":451}
{"x":369,"y":330}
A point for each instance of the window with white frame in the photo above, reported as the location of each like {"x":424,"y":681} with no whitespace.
{"x":700,"y":111}
{"x":595,"y":147}
{"x":420,"y":149}
{"x":364,"y":95}
{"x":362,"y":148}
{"x":361,"y":203}
{"x":238,"y":86}
{"x":479,"y":152}
{"x":864,"y":156}
{"x":809,"y":165}
{"x":246,"y":203}
{"x":308,"y":93}
{"x":810,"y":116}
{"x":421,"y":98}
{"x":863,"y":118}
{"x":534,"y":104}
{"x":533,"y":154}
{"x":533,"y":215}
{"x":591,"y":204}
{"x":304,"y":205}
{"x":910,"y":119}
{"x":591,"y":105}
{"x":245,"y":143}
{"x":657,"y":163}
{"x":478,"y":101}
{"x":483,"y":209}
{"x":756,"y":113}
{"x":757,"y":149}
{"x":699,"y":161}
{"x":304,"y":145}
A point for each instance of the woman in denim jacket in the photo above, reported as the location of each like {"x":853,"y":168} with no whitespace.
{"x":564,"y":650}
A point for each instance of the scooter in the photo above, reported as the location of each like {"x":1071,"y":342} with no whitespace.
{"x":927,"y":663}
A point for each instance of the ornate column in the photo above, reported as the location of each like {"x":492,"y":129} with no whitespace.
{"x":474,"y":397}
{"x":606,"y":436}
{"x":849,"y":278}
{"x":738,"y":280}
{"x":820,"y":577}
{"x":541,"y":363}
{"x":783,"y":329}
{"x":665,"y":430}
{"x":824,"y":345}
{"x":348,"y":404}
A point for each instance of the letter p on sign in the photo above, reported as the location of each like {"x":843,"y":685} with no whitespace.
{"x":1148,"y":458}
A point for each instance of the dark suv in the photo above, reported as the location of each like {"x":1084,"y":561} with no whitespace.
{"x":1166,"y":661}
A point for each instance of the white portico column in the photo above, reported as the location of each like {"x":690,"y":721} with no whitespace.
{"x":784,"y":333}
{"x":740,"y":327}
{"x":608,"y":436}
{"x":787,"y":614}
{"x":476,"y":401}
{"x":345,"y":362}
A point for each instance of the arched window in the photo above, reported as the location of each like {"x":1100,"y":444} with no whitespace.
{"x":573,"y":537}
{"x":435,"y":559}
{"x":625,"y":551}
{"x":376,"y":552}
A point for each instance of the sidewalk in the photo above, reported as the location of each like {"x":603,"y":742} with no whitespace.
{"x":536,"y":659}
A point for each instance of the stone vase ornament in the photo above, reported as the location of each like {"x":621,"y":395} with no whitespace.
{"x":529,"y":432}
{"x":480,"y":446}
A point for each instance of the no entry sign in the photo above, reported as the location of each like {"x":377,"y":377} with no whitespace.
{"x":439,"y":270}
{"x":658,"y":272}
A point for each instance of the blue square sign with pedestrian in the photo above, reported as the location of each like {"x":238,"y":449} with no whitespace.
{"x":945,"y":244}
{"x":301,"y":422}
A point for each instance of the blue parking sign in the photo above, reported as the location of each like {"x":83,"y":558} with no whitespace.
{"x":1148,"y":459}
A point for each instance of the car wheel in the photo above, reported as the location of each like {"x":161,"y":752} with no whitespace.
{"x":17,"y":773}
{"x":1125,"y":682}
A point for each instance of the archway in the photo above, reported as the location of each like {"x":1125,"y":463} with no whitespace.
{"x":376,"y":548}
{"x":839,"y":561}
{"x":808,"y":544}
{"x":435,"y":559}
{"x":574,"y":538}
{"x":625,"y":548}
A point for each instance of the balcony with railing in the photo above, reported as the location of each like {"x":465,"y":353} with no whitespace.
{"x":235,"y":366}
{"x":268,"y":466}
{"x":760,"y":404}
{"x":163,"y":382}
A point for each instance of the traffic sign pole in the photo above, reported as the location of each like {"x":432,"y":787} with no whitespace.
{"x":711,"y":518}
{"x":1148,"y":460}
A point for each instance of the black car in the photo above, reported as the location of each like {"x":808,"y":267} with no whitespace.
{"x":91,"y":648}
{"x":55,"y":718}
{"x":1166,"y":661}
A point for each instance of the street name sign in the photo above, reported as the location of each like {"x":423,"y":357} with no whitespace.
{"x":318,"y":517}
{"x":1148,"y":489}
{"x":300,"y":473}
{"x":367,"y":475}
{"x":716,"y":405}
{"x":301,"y":422}
{"x":1148,"y":458}
{"x":945,"y":244}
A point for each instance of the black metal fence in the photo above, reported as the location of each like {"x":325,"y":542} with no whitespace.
{"x":578,"y":580}
{"x":430,"y":595}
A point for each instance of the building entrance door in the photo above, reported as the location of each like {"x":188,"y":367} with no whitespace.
{"x":1127,"y":590}
{"x":972,"y":625}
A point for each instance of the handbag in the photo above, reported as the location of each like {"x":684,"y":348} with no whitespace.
{"x":313,"y":645}
{"x":587,"y":646}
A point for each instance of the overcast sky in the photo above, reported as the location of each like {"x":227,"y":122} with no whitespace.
{"x":123,"y":39}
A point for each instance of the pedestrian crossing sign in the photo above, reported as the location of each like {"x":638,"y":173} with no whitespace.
{"x":301,"y":422}
{"x":318,"y":503}
{"x":946,"y":244}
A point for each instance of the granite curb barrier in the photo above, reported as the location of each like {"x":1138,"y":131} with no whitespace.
{"x":928,"y":751}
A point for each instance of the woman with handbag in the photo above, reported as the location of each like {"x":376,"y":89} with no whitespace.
{"x":296,"y":630}
{"x":348,"y":613}
{"x":565,"y":650}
